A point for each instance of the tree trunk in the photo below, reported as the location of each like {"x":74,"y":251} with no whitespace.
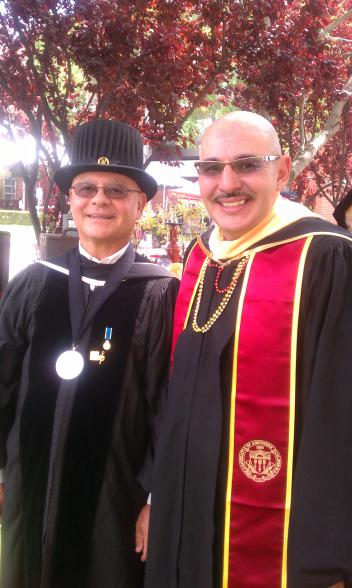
{"x":31,"y":199}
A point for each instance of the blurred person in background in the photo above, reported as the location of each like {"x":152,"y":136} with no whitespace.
{"x":343,"y":212}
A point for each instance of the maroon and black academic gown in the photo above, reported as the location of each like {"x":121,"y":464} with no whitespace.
{"x":188,"y":523}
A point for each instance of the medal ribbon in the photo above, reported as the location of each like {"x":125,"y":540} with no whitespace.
{"x":81,"y":317}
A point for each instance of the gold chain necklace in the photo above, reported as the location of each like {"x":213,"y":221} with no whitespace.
{"x":229,"y":290}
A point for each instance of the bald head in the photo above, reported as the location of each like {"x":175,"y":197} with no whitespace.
{"x":243,"y":124}
{"x":239,"y":193}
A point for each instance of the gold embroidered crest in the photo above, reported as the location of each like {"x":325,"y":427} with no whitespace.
{"x":103,"y":161}
{"x":260,"y":460}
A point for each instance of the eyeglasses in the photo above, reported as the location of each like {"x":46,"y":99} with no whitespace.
{"x":113,"y":191}
{"x":244,"y":165}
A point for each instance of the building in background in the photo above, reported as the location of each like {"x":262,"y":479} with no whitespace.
{"x":11,"y":191}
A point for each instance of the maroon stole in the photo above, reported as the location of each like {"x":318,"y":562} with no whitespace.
{"x":262,"y":409}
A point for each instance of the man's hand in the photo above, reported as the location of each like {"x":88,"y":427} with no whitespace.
{"x":142,"y":526}
{"x":1,"y":496}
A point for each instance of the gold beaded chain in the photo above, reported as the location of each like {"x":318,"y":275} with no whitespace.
{"x":239,"y":269}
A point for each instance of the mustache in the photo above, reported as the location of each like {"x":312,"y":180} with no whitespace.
{"x":233,"y":194}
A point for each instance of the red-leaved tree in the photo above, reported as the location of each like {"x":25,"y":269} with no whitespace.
{"x":293,"y":65}
{"x":153,"y":62}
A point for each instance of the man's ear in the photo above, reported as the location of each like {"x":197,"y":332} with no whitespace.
{"x":283,"y":172}
{"x":142,"y":201}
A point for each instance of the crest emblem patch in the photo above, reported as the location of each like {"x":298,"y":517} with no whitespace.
{"x":260,"y":460}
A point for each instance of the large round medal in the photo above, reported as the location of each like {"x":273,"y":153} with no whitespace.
{"x":69,"y":364}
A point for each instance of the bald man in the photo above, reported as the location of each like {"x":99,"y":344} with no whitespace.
{"x":253,"y":476}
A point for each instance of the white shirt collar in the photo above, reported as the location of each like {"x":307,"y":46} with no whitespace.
{"x":107,"y":260}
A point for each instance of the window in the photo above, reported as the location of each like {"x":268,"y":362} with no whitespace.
{"x":9,"y":188}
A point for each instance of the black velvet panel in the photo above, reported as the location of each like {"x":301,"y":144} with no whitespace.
{"x":89,"y":435}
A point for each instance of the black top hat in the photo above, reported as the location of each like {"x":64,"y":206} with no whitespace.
{"x":107,"y":145}
{"x":340,"y":210}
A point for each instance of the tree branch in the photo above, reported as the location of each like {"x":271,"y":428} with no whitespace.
{"x":330,"y":129}
{"x":302,"y":131}
{"x":339,"y":39}
{"x":335,"y":23}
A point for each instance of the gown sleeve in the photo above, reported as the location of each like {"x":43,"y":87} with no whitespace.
{"x":16,"y":312}
{"x":155,"y":333}
{"x":321,"y":515}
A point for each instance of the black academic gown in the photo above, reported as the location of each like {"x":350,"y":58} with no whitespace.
{"x":78,"y":453}
{"x":188,"y":498}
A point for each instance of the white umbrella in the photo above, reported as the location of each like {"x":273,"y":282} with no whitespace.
{"x":166,"y":175}
{"x":190,"y":188}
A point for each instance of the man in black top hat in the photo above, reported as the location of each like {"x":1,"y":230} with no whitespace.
{"x":84,"y":342}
